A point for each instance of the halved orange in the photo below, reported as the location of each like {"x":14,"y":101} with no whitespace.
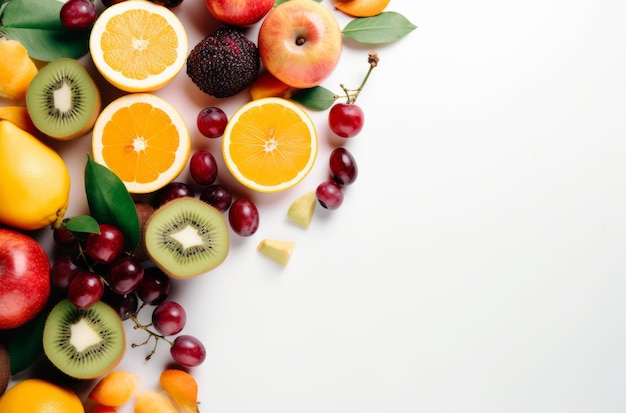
{"x":138,"y":45}
{"x":362,"y":8}
{"x":269,"y":144}
{"x":143,"y":139}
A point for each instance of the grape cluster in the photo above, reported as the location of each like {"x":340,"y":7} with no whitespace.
{"x":97,"y":268}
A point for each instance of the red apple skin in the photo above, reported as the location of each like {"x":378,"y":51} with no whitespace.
{"x":300,"y":43}
{"x":24,"y":278}
{"x":239,"y":13}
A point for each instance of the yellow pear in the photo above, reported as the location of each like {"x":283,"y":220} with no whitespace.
{"x":35,"y":184}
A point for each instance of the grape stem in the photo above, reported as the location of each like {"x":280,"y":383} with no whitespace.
{"x":151,"y":334}
{"x":352,"y":94}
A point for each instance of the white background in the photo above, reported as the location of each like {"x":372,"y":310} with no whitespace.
{"x":476,"y":265}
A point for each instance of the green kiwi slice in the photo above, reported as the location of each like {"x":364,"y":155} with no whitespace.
{"x":84,"y":343}
{"x":62,"y":99}
{"x":187,"y":237}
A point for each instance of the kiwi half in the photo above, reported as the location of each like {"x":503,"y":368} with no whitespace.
{"x":84,"y":343}
{"x":62,"y":99}
{"x":187,"y":237}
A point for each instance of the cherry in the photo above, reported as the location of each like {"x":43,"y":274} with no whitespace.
{"x":346,"y":119}
{"x":63,"y":237}
{"x":188,"y":351}
{"x":169,"y":318}
{"x":155,"y":286}
{"x":85,"y":289}
{"x":211,"y":122}
{"x":125,"y":275}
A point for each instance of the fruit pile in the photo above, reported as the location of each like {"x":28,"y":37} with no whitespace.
{"x":145,"y":226}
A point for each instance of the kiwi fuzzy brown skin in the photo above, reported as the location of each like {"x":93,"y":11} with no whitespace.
{"x":5,"y":368}
{"x":161,"y":248}
{"x":144,"y":212}
{"x":86,"y":100}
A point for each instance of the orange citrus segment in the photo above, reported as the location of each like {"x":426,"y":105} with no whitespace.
{"x":269,"y":144}
{"x":138,"y":46}
{"x":362,"y":8}
{"x":143,"y":140}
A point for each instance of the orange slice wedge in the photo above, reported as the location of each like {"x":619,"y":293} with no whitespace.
{"x":270,"y":144}
{"x":362,"y":8}
{"x":143,"y":140}
{"x":138,"y":46}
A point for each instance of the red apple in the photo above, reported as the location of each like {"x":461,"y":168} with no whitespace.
{"x":239,"y":12}
{"x":300,"y":43}
{"x":24,"y":278}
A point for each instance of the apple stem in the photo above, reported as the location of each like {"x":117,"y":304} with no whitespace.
{"x":352,"y":94}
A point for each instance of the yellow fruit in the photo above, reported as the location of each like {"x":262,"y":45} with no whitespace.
{"x":16,"y":69}
{"x":277,"y":250}
{"x":20,"y":117}
{"x":149,"y":401}
{"x":269,"y":144}
{"x":40,"y":396}
{"x":35,"y":184}
{"x":302,"y":208}
{"x":267,"y":85}
{"x":138,"y":46}
{"x":115,"y":389}
{"x":143,"y":139}
{"x":362,"y":8}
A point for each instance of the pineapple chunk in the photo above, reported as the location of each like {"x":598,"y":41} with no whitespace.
{"x":277,"y":250}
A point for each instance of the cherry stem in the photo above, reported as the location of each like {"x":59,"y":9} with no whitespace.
{"x":352,"y":94}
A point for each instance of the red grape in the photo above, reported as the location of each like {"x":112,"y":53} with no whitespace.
{"x":63,"y":270}
{"x":85,"y":289}
{"x":211,"y":122}
{"x":343,"y":167}
{"x":243,"y":217}
{"x":203,"y":168}
{"x":346,"y":119}
{"x":125,"y":275}
{"x":155,"y":286}
{"x":106,"y":246}
{"x":188,"y":351}
{"x":169,"y":318}
{"x":77,"y":14}
{"x":217,"y":196}
{"x":172,"y":191}
{"x":329,"y":194}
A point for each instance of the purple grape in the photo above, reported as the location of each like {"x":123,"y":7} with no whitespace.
{"x":329,"y":194}
{"x":243,"y":217}
{"x":188,"y":351}
{"x":169,"y":318}
{"x":343,"y":168}
{"x":217,"y":196}
{"x":172,"y":191}
{"x":63,"y":270}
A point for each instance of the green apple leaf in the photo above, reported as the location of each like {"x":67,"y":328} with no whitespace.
{"x":82,"y":225}
{"x":36,"y":24}
{"x":316,"y":98}
{"x":385,"y":27}
{"x":110,"y":203}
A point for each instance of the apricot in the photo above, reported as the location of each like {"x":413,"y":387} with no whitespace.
{"x":115,"y":389}
{"x":17,"y":69}
{"x":362,"y":8}
{"x":150,"y":401}
{"x":182,"y":388}
{"x":19,"y":116}
{"x":267,"y":85}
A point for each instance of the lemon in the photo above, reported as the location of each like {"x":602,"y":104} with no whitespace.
{"x":35,"y":185}
{"x":40,"y":396}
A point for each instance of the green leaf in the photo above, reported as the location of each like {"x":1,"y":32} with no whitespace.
{"x":110,"y":203}
{"x":25,"y":343}
{"x":82,"y":225}
{"x":316,"y":98}
{"x":385,"y":27}
{"x":41,"y":31}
